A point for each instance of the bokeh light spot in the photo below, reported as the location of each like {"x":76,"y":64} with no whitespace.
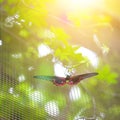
{"x":52,"y":108}
{"x":21,"y":78}
{"x":59,"y":69}
{"x":36,"y":96}
{"x":89,"y":54}
{"x":0,"y":42}
{"x":44,"y":50}
{"x":75,"y":93}
{"x":11,"y":90}
{"x":17,"y":55}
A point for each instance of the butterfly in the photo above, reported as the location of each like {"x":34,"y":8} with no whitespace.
{"x":71,"y":80}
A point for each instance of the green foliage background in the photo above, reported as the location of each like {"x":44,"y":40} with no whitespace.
{"x":24,"y":25}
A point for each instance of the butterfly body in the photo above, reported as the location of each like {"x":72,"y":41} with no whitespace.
{"x":71,"y":80}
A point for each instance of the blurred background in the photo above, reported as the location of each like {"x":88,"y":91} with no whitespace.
{"x":52,"y":37}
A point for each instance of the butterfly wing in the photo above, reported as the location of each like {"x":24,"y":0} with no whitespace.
{"x":58,"y":81}
{"x":76,"y":79}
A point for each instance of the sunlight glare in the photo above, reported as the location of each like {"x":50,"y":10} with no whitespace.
{"x":52,"y":108}
{"x":44,"y":50}
{"x":89,"y":54}
{"x":85,"y":3}
{"x":75,"y":93}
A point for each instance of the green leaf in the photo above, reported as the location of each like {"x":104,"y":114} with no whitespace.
{"x":24,"y":33}
{"x":105,"y":74}
{"x":1,"y":1}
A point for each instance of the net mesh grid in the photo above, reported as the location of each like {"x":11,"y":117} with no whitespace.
{"x":17,"y":103}
{"x":18,"y":97}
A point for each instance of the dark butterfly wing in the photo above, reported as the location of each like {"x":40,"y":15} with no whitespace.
{"x":59,"y":81}
{"x":76,"y":79}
